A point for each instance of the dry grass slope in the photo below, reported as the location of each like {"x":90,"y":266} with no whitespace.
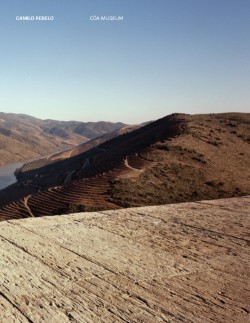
{"x":178,"y":158}
{"x":23,"y":137}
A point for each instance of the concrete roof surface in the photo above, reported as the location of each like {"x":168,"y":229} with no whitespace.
{"x":185,"y":262}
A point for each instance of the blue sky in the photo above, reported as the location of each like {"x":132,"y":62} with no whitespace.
{"x":166,"y":56}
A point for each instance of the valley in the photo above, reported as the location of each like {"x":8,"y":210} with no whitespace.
{"x":23,"y":137}
{"x":178,"y":158}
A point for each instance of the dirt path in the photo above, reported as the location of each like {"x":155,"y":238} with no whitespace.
{"x":25,"y":201}
{"x":128,"y":166}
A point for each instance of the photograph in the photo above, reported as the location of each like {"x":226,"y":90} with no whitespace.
{"x":124,"y":161}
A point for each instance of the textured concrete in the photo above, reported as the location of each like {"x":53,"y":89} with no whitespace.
{"x":175,"y":263}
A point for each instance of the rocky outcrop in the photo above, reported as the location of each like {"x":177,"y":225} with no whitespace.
{"x":184,"y":262}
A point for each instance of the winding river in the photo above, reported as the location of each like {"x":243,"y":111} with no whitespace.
{"x":7,"y":176}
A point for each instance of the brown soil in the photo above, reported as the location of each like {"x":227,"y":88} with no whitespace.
{"x":174,"y":159}
{"x":23,"y":137}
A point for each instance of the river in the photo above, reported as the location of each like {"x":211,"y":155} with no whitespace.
{"x":7,"y":176}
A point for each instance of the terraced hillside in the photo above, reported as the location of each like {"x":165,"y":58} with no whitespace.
{"x":174,"y":159}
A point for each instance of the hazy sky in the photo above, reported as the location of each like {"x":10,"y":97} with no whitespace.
{"x":165,"y":56}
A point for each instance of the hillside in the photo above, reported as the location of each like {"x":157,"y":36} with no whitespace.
{"x":23,"y":137}
{"x":77,"y":150}
{"x":177,"y":158}
{"x":178,"y":263}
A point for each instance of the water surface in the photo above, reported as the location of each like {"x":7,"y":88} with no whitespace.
{"x":7,"y":176}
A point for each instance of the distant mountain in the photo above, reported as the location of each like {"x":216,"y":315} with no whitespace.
{"x":77,"y":150}
{"x":23,"y":137}
{"x":174,"y":159}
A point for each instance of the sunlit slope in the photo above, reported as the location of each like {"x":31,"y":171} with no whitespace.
{"x":174,"y":159}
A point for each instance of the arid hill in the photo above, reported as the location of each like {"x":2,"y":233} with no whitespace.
{"x":23,"y":137}
{"x":177,"y":158}
{"x":77,"y":150}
